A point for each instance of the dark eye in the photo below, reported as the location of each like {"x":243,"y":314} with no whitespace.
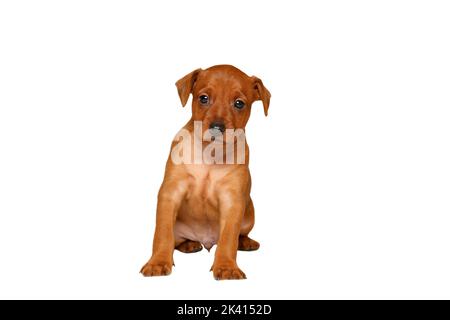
{"x":239,"y":104}
{"x":203,"y":99}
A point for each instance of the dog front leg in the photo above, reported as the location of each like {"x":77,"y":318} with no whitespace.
{"x":231,"y":214}
{"x":161,"y":261}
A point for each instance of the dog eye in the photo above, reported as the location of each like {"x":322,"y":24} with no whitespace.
{"x":203,"y":99}
{"x":239,"y":104}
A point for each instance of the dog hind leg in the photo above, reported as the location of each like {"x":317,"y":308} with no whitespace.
{"x":189,"y":246}
{"x":246,"y":243}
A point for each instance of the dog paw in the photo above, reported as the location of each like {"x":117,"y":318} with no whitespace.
{"x":189,"y":246}
{"x":154,"y":269}
{"x":228,"y":273}
{"x":247,"y":244}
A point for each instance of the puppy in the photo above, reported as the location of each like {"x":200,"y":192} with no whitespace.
{"x":205,"y":200}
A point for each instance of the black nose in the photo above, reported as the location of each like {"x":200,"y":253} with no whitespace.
{"x":217,"y":125}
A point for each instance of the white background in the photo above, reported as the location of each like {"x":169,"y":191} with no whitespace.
{"x":351,"y":168}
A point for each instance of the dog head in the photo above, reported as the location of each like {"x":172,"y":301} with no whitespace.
{"x":222,"y":96}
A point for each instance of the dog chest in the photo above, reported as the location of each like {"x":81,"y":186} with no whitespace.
{"x":204,"y":182}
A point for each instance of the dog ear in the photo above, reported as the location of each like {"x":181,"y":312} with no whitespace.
{"x":185,"y":84}
{"x":261,"y":93}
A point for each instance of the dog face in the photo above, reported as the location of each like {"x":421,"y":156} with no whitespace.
{"x":222,"y":96}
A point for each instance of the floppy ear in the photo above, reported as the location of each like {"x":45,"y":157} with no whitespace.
{"x":261,"y":93}
{"x":185,"y":84}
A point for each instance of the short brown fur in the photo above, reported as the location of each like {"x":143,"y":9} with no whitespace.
{"x":208,"y":204}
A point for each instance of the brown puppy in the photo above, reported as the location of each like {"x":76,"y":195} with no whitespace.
{"x":202,"y":203}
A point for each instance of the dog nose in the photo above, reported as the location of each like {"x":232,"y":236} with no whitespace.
{"x":217,"y":125}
